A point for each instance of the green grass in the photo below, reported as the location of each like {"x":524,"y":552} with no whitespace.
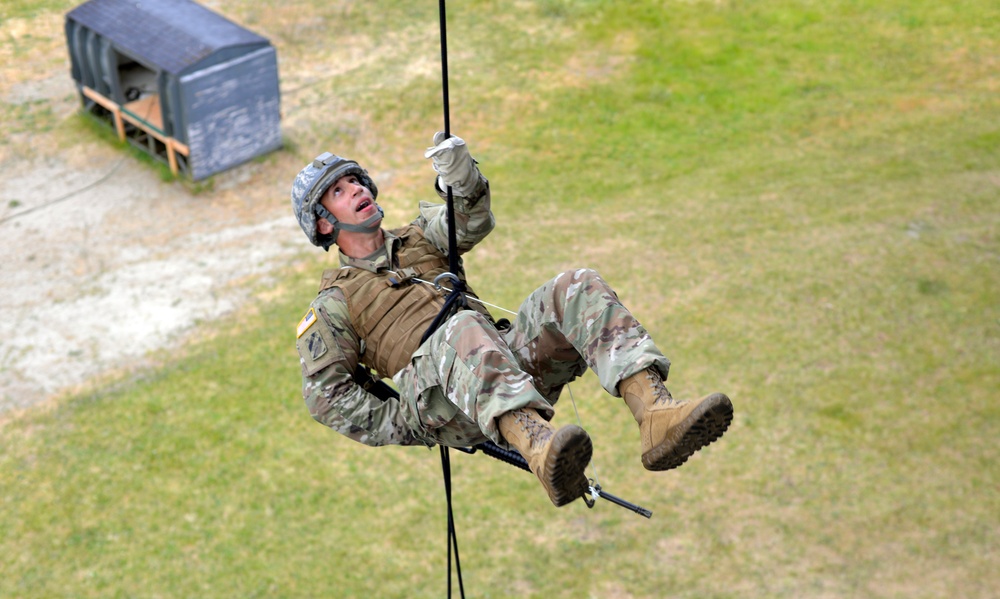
{"x":27,"y":9}
{"x":800,"y":201}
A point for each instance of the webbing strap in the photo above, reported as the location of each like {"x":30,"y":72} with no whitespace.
{"x":455,"y":301}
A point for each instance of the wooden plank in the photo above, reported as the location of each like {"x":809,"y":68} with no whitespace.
{"x":172,"y":158}
{"x":119,"y":124}
{"x":180,"y":147}
{"x":109,"y":105}
{"x":128,"y":116}
{"x":96,"y":97}
{"x":148,"y":110}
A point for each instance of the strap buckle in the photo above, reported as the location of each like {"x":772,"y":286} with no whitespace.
{"x":403,"y":275}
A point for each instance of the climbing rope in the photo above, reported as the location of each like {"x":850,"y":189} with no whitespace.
{"x":455,"y":299}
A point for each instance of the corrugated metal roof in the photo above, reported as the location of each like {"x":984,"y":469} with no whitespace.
{"x":170,"y":34}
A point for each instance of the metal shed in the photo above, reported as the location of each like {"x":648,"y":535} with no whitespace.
{"x":178,"y":80}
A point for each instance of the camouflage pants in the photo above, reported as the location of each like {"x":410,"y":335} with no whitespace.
{"x":468,"y":374}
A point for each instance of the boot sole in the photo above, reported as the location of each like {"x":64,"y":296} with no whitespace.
{"x":566,"y":465}
{"x":702,"y":427}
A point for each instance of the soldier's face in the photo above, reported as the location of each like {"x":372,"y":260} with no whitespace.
{"x":349,"y":201}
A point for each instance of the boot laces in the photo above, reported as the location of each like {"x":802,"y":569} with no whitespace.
{"x":661,"y":395}
{"x":538,"y":432}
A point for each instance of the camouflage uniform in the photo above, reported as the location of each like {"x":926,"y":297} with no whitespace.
{"x":469,"y":373}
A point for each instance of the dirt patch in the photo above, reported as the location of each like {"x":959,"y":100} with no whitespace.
{"x":118,"y":270}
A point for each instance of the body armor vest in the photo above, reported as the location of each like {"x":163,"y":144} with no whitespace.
{"x":390,"y":310}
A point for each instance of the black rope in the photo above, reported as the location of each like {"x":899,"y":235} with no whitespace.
{"x":452,"y":237}
{"x":455,"y":299}
{"x":452,"y":537}
{"x":444,"y":68}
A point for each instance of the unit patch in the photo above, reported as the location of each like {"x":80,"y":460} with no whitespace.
{"x":315,"y":345}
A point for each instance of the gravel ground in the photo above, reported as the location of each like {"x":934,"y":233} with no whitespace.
{"x":104,"y":264}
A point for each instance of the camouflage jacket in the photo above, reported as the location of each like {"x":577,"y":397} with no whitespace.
{"x":330,"y":347}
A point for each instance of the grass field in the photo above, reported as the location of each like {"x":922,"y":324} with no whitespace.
{"x":800,"y":201}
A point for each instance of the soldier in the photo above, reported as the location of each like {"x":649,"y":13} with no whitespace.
{"x":473,"y":379}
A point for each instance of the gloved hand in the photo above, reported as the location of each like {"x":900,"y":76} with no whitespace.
{"x":453,"y":163}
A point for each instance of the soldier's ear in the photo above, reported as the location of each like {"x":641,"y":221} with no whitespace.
{"x":324,"y":226}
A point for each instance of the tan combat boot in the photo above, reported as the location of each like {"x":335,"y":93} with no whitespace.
{"x":557,"y":458}
{"x":672,"y":430}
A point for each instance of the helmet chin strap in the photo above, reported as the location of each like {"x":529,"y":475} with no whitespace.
{"x":370,"y":225}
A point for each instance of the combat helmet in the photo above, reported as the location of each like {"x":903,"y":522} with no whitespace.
{"x":310,"y":185}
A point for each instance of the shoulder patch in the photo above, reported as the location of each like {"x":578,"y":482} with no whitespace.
{"x":306,"y":322}
{"x":317,"y":344}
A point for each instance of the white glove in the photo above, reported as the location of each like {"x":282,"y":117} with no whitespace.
{"x":453,"y":163}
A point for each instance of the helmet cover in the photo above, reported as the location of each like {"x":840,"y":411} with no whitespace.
{"x":310,"y":185}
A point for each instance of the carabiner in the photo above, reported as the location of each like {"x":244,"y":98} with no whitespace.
{"x":446,"y":275}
